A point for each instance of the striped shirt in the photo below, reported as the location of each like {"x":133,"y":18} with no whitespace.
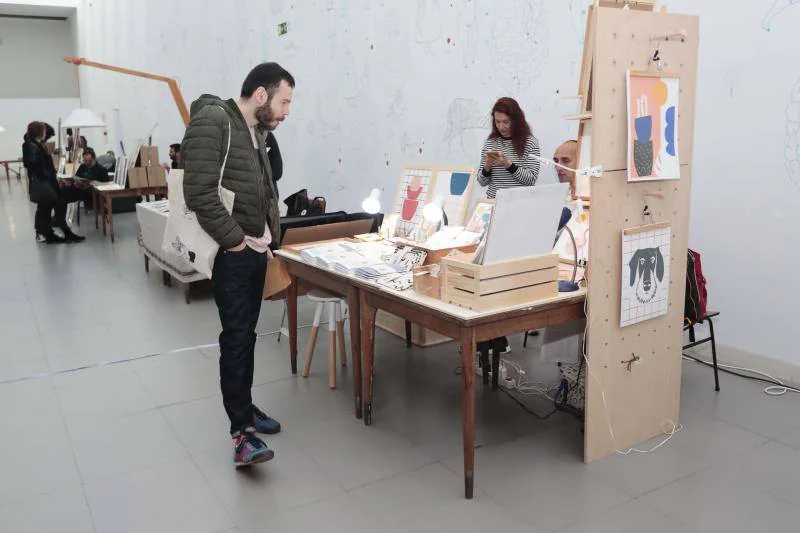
{"x":523,"y":172}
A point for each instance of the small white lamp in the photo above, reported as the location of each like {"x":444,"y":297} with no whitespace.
{"x":434,"y":211}
{"x":2,"y":129}
{"x":372,"y":204}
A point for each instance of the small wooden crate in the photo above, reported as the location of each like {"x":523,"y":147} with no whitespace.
{"x":504,"y":284}
{"x":427,"y":282}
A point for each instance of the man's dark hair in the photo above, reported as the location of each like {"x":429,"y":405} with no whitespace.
{"x":90,"y":151}
{"x":69,"y":131}
{"x":176,"y":146}
{"x":268,"y":76}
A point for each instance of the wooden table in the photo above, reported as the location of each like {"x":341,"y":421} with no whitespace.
{"x":465,"y":326}
{"x":312,"y":277}
{"x":103,"y":196}
{"x":8,"y":169}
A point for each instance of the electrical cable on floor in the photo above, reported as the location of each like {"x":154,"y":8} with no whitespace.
{"x":528,"y":409}
{"x":776,"y":388}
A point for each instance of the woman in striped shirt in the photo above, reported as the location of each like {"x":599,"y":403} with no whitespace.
{"x":506,"y":157}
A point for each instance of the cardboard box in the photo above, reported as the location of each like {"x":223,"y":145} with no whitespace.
{"x":149,"y":156}
{"x":137,"y":178}
{"x":156,"y":176}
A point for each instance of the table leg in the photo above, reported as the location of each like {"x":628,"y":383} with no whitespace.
{"x":468,"y":408}
{"x":102,"y":199}
{"x":408,"y":334}
{"x":8,"y":174}
{"x":110,"y":209}
{"x":96,"y":207}
{"x":368,"y":349}
{"x":496,"y":362}
{"x":354,"y":304}
{"x":291,"y":305}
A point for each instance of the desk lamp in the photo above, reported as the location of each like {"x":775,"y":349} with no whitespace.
{"x":372,"y":203}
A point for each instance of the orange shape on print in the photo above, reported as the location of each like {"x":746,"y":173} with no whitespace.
{"x":660,"y":93}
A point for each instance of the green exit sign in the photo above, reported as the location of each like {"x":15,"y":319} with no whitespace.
{"x":283,"y":28}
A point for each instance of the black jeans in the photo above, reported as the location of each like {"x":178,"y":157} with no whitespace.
{"x":42,"y":219}
{"x":238,"y":291}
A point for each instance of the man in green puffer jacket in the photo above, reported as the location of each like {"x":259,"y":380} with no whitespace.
{"x":245,"y":236}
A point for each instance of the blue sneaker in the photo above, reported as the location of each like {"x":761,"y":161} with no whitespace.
{"x":263,"y":423}
{"x":249,"y":450}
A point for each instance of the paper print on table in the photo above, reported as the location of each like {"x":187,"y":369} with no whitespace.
{"x":645,"y":273}
{"x":479,"y":221}
{"x":455,"y":186}
{"x":653,"y":107}
{"x":416,"y":190}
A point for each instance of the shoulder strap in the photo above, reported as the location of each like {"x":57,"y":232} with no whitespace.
{"x":227,"y":149}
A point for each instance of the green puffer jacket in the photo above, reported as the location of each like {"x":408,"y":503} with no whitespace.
{"x":203,"y":149}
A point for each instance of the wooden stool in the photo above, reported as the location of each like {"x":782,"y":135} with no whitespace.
{"x":335,"y":329}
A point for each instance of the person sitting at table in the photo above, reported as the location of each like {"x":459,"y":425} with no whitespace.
{"x":80,"y":190}
{"x":174,"y":156}
{"x":108,"y":160}
{"x":507,"y":154}
{"x":567,"y":155}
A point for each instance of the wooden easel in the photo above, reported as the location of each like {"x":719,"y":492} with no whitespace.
{"x":628,"y":403}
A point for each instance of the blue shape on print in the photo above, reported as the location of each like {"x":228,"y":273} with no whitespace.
{"x":669,"y":132}
{"x":644,"y":128}
{"x":458,"y":183}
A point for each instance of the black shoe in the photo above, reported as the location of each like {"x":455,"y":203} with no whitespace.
{"x":71,"y":237}
{"x":52,"y":238}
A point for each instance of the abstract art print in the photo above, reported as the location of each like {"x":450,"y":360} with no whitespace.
{"x":645,"y":273}
{"x":653,"y":108}
{"x":454,"y":185}
{"x":479,"y":221}
{"x":416,"y":190}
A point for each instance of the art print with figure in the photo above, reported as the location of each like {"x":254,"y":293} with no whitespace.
{"x":416,"y":190}
{"x":653,"y":109}
{"x":645,"y":273}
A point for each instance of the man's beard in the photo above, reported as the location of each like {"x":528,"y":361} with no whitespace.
{"x":266,"y":118}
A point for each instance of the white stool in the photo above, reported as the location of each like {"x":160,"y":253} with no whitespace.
{"x":335,"y":329}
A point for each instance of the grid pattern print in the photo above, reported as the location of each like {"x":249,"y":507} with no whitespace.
{"x":411,"y":200}
{"x":645,"y":257}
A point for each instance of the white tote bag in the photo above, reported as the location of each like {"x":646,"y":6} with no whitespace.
{"x":184,"y":235}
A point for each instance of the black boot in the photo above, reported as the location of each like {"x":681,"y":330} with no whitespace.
{"x":52,"y":238}
{"x":71,"y":237}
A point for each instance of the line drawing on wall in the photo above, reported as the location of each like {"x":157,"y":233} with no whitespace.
{"x":468,"y":31}
{"x":778,"y":7}
{"x":428,"y":25}
{"x":463,"y":116}
{"x":792,"y":148}
{"x":517,"y":63}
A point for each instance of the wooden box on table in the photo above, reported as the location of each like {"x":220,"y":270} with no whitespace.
{"x":502,"y":284}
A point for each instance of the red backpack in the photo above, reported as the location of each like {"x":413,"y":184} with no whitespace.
{"x":696,"y":301}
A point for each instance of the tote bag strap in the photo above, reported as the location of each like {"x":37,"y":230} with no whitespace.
{"x":227,"y":150}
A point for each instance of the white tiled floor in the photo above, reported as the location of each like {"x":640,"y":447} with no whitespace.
{"x":142,"y":445}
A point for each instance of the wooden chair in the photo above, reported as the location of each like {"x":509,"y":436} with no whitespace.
{"x":333,"y":304}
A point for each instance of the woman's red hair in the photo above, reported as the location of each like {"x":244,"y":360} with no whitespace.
{"x":520,"y":129}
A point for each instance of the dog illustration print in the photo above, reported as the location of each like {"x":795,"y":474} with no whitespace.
{"x":647,"y":271}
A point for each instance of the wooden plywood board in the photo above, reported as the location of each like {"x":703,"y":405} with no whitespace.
{"x":623,"y":42}
{"x":638,"y":403}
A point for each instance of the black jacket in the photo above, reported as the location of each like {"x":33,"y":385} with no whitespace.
{"x":38,"y":162}
{"x":247,"y":173}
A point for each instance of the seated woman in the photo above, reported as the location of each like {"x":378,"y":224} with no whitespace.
{"x":506,"y":156}
{"x":43,"y":187}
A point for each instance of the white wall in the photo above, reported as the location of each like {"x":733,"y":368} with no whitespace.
{"x":16,"y":113}
{"x":36,"y":83}
{"x":31,"y":54}
{"x":378,"y":81}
